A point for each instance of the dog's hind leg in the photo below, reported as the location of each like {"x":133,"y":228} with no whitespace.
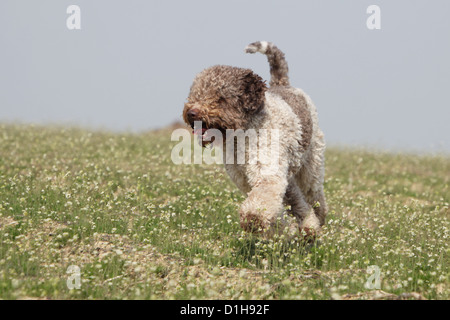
{"x":301,"y":209}
{"x":318,"y":202}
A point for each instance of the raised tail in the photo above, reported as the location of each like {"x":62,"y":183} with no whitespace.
{"x":278,"y":65}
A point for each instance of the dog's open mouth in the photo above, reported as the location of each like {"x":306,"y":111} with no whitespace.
{"x":204,"y":134}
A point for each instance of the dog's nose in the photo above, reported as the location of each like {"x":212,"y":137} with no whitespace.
{"x":192,"y":115}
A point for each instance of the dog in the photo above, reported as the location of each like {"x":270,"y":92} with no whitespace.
{"x":227,"y":98}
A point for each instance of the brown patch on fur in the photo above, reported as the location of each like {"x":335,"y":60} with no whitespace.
{"x":300,"y":107}
{"x":225,"y":97}
{"x":278,"y":66}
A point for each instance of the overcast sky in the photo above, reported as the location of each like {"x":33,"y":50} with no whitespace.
{"x":132,"y":63}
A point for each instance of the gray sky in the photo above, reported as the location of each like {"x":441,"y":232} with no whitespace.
{"x":132,"y":63}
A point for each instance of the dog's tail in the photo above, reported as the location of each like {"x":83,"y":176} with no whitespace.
{"x":278,"y":65}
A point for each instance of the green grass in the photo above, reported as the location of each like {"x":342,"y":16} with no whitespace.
{"x":140,"y":227}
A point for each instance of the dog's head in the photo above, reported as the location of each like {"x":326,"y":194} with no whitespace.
{"x":223,"y":97}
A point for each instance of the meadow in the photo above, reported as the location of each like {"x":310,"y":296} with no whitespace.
{"x":140,"y":227}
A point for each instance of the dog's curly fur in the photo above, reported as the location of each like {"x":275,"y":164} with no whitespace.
{"x":225,"y":97}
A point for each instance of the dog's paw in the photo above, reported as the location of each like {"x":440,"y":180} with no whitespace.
{"x":310,"y":227}
{"x":252,"y":223}
{"x":309,"y":234}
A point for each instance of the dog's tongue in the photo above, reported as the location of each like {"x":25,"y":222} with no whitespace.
{"x":199,"y":131}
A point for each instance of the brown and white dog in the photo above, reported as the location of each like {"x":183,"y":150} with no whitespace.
{"x":224,"y":98}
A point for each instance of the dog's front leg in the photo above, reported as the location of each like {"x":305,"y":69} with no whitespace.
{"x":264,"y":204}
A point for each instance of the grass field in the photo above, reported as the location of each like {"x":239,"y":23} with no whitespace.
{"x":140,"y":227}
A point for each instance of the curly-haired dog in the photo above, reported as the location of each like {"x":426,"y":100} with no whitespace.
{"x":225,"y":97}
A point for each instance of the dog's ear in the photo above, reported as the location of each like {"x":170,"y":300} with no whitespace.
{"x":253,"y":89}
